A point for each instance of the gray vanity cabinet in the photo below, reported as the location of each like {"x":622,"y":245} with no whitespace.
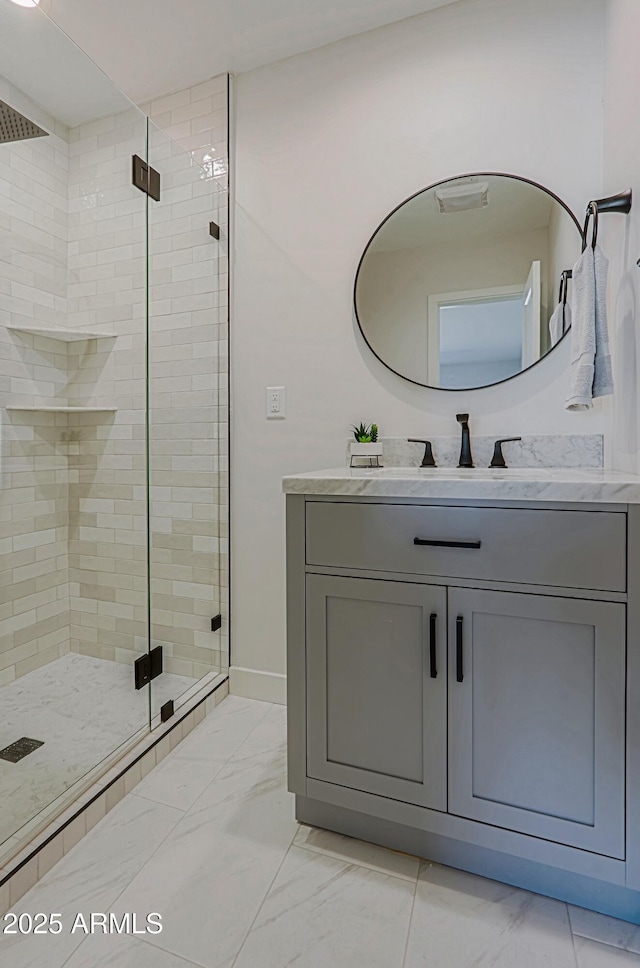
{"x":537,"y":716}
{"x":463,"y":683}
{"x":376,"y":687}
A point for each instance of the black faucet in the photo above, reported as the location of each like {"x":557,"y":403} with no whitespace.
{"x":428,"y":459}
{"x":466,"y":460}
{"x":498,"y":457}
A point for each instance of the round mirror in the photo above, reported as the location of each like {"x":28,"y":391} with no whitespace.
{"x":465,"y":283}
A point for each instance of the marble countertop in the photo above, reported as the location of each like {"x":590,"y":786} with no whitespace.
{"x":510,"y":484}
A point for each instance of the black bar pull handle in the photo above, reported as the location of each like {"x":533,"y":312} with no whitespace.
{"x":459,"y":657}
{"x":433,"y":667}
{"x":433,"y":543}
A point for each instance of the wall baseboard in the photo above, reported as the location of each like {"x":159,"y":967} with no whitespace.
{"x":255,"y":684}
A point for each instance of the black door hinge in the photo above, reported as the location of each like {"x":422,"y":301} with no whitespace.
{"x":148,"y":667}
{"x":214,"y":230}
{"x":216,"y":623}
{"x":146,"y":178}
{"x":166,"y":711}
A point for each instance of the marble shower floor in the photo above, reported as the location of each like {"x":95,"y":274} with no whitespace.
{"x":83,"y":708}
{"x":208,"y":840}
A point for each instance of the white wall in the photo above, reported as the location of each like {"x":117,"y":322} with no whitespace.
{"x":621,"y":236}
{"x":327,"y":144}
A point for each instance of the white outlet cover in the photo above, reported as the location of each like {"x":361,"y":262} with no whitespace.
{"x":275,"y":403}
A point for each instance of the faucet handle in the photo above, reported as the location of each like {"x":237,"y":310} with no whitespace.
{"x":428,"y":459}
{"x":498,"y":457}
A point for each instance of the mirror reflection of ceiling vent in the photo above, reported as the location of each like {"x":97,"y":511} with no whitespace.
{"x":15,"y":127}
{"x":462,"y":198}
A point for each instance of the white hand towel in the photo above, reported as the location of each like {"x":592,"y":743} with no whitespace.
{"x":603,"y":376}
{"x":560,"y":322}
{"x":590,"y":370}
{"x":583,"y":333}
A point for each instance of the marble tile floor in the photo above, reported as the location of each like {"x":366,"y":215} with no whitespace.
{"x":84,"y":709}
{"x":208,"y":840}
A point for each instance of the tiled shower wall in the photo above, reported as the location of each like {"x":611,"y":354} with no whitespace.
{"x":34,"y":574}
{"x":196,"y":118}
{"x":194,"y":541}
{"x":107,"y":452}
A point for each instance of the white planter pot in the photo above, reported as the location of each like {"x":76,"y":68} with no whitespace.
{"x":370,"y":452}
{"x":366,"y":450}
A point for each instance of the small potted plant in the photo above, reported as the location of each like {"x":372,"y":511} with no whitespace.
{"x":366,"y":443}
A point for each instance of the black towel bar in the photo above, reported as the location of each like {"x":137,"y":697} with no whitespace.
{"x":620,"y":203}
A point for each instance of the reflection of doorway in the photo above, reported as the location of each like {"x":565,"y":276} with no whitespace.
{"x":531,"y":317}
{"x":479,"y":337}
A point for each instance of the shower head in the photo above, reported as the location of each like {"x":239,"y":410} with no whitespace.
{"x":15,"y":127}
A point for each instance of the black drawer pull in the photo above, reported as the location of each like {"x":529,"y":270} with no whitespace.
{"x":433,"y":543}
{"x":459,"y":669}
{"x":433,"y":668}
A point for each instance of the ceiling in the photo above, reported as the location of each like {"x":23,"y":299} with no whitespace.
{"x":154,"y":47}
{"x":38,"y":59}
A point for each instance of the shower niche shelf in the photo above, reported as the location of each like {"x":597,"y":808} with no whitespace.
{"x":47,"y":409}
{"x":63,"y":335}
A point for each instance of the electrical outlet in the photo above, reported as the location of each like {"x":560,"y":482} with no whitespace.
{"x":275,"y":403}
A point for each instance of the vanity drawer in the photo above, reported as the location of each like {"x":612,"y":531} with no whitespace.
{"x":573,"y":549}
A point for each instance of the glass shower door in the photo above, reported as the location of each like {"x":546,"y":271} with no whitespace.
{"x":184,"y":427}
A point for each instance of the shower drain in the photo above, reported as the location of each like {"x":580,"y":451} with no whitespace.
{"x":21,"y":748}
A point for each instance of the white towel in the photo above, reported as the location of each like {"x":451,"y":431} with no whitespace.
{"x":603,"y":376}
{"x":560,"y":322}
{"x":590,"y":372}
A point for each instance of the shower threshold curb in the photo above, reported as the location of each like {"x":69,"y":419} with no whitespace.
{"x":50,"y":845}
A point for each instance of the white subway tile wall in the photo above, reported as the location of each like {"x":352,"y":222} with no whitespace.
{"x":107,"y":452}
{"x":34,"y":567}
{"x":197,"y":120}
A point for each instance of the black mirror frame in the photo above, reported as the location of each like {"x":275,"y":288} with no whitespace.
{"x":444,"y":181}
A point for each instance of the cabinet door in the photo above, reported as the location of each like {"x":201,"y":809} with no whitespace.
{"x":536,"y":716}
{"x":376,"y":687}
